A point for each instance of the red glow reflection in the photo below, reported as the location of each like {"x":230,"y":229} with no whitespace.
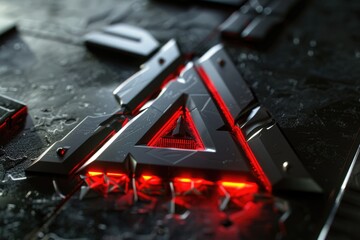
{"x":237,"y":189}
{"x":150,"y":185}
{"x":235,"y":129}
{"x":107,"y":182}
{"x":169,"y":136}
{"x":191,"y":185}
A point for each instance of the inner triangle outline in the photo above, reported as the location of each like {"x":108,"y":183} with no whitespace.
{"x":179,"y":132}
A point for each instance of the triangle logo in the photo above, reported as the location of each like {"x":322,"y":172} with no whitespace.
{"x":178,"y":132}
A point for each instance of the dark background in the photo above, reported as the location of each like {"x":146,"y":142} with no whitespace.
{"x":308,"y":78}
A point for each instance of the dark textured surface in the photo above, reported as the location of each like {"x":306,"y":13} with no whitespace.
{"x":308,"y":79}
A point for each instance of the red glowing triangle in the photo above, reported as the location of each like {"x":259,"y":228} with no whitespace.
{"x":178,"y":132}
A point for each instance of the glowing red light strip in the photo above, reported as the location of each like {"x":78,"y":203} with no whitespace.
{"x":199,"y":143}
{"x":238,"y":184}
{"x":146,"y":177}
{"x":165,"y":128}
{"x":110,"y":174}
{"x":235,"y":129}
{"x":149,"y":180}
{"x":92,"y":173}
{"x":3,"y":125}
{"x":234,"y":184}
{"x":184,"y":180}
{"x":87,"y":157}
{"x":183,"y":184}
{"x":192,"y":180}
{"x":20,"y":112}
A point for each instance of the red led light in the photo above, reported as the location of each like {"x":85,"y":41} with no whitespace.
{"x":125,"y":122}
{"x":150,"y":185}
{"x":107,"y":182}
{"x":191,"y":185}
{"x":191,"y":180}
{"x":151,"y":179}
{"x":234,"y":184}
{"x":236,"y":189}
{"x":22,"y":111}
{"x":183,"y":180}
{"x":14,"y":121}
{"x":239,"y":185}
{"x":111,"y":174}
{"x":187,"y":138}
{"x":92,"y":173}
{"x":235,"y":129}
{"x":146,"y":178}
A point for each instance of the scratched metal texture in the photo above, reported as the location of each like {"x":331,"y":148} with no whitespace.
{"x":308,"y":79}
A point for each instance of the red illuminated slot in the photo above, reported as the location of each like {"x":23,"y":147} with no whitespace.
{"x":107,"y":182}
{"x":151,"y":179}
{"x":238,"y":189}
{"x":188,"y":138}
{"x":109,"y":174}
{"x":235,"y":129}
{"x":191,"y":185}
{"x":92,"y":174}
{"x":151,"y":185}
